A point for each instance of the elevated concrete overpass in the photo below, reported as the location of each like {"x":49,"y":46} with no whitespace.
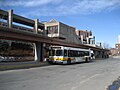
{"x":10,"y":32}
{"x":16,"y":34}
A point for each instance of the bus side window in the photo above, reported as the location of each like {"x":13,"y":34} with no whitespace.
{"x":70,"y":53}
{"x":81,"y":53}
{"x":86,"y":53}
{"x":65,"y":52}
{"x":78,"y":53}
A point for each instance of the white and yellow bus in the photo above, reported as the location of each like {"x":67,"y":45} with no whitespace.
{"x":68,"y":55}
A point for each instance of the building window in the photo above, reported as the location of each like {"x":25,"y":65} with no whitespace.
{"x":52,"y":29}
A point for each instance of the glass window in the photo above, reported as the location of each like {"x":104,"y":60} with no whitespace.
{"x":81,"y":53}
{"x":65,"y":52}
{"x":59,"y":53}
{"x":52,"y":29}
{"x":52,"y":53}
{"x":76,"y":53}
{"x":86,"y":53}
{"x":71,"y":53}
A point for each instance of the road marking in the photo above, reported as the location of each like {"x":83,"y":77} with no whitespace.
{"x":73,"y":88}
{"x":89,"y":78}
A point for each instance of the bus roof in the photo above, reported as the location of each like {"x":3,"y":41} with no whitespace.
{"x":69,"y":48}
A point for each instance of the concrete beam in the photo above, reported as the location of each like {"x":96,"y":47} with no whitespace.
{"x":20,"y":19}
{"x":15,"y":34}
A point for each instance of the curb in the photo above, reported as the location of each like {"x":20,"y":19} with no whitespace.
{"x":23,"y":65}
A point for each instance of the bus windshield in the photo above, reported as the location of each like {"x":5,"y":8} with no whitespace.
{"x":55,"y":53}
{"x":52,"y":53}
{"x":59,"y":53}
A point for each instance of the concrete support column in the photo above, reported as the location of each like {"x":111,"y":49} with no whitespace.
{"x":101,"y":54}
{"x":38,"y":47}
{"x":90,"y":40}
{"x":36,"y":25}
{"x":82,"y":39}
{"x":96,"y":54}
{"x":45,"y":31}
{"x":94,"y":40}
{"x":87,"y":40}
{"x":10,"y":18}
{"x":38,"y":51}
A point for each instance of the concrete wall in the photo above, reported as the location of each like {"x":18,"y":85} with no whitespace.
{"x":65,"y":32}
{"x":68,"y":33}
{"x":86,"y":36}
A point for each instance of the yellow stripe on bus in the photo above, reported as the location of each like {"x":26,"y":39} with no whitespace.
{"x":63,"y":59}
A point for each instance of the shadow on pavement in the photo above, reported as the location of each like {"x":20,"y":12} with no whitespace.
{"x":115,"y":85}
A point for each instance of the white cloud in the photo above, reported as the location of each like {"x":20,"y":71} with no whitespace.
{"x":91,"y":6}
{"x":64,"y":7}
{"x":29,"y":3}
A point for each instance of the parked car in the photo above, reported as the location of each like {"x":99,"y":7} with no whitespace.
{"x":1,"y":58}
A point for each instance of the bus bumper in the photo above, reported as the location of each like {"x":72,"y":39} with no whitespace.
{"x":57,"y":61}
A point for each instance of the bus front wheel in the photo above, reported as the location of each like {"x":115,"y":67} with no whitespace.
{"x":50,"y":62}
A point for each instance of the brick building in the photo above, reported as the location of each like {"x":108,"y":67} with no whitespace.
{"x":117,"y":46}
{"x":116,"y":50}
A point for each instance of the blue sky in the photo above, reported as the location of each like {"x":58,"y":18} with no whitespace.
{"x":102,"y":17}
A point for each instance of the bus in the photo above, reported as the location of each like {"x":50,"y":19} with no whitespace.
{"x":68,"y":55}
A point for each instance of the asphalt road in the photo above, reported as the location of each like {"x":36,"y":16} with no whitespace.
{"x":97,"y":75}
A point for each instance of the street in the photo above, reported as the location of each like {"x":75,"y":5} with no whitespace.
{"x":96,"y":75}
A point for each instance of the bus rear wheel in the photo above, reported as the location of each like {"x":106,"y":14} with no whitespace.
{"x":69,"y":61}
{"x":86,"y":59}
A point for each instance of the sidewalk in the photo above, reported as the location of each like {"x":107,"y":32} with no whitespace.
{"x":21,"y":65}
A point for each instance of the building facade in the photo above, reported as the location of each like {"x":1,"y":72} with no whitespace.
{"x":117,"y":46}
{"x":116,"y":50}
{"x":68,"y":33}
{"x":62,"y":31}
{"x":86,"y":37}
